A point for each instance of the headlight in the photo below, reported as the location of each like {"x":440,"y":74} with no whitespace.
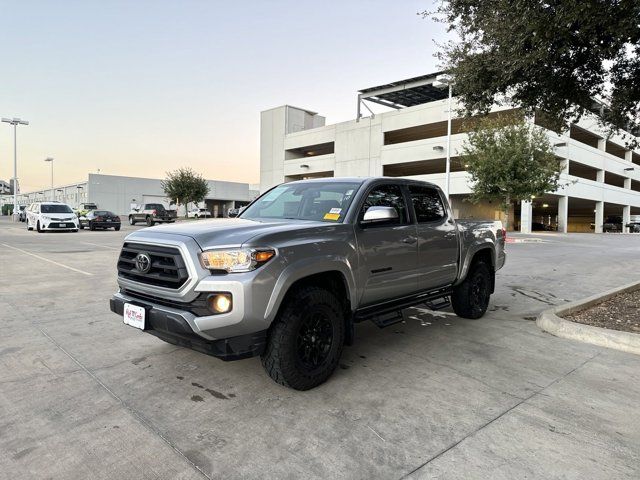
{"x":236,"y":260}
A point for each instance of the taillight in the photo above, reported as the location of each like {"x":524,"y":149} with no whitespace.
{"x":153,"y":212}
{"x":117,"y":219}
{"x":98,"y":219}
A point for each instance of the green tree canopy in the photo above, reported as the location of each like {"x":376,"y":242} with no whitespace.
{"x":184,"y":186}
{"x":556,"y":56}
{"x":509,"y":159}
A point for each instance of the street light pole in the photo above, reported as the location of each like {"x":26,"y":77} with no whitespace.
{"x":15,"y":122}
{"x":49,"y":159}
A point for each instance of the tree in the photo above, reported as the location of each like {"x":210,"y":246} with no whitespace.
{"x":184,"y":186}
{"x":556,"y":56}
{"x":509,"y":159}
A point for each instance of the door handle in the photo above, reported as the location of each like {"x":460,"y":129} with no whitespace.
{"x":409,"y":240}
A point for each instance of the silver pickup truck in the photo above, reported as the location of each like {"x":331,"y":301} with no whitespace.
{"x":301,"y":265}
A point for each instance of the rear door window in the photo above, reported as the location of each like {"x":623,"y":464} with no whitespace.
{"x":427,"y":204}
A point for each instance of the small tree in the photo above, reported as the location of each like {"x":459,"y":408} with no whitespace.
{"x":184,"y":186}
{"x":509,"y":160}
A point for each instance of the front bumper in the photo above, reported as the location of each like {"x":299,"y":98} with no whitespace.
{"x":59,"y":225}
{"x":174,"y":326}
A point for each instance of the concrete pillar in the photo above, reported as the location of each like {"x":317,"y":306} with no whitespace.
{"x":626,"y":217}
{"x":602,"y":144}
{"x":628,"y":156}
{"x":599,"y":217}
{"x":563,"y":214}
{"x":627,"y":183}
{"x":600,"y":176}
{"x":526,"y":216}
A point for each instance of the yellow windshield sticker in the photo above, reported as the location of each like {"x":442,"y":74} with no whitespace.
{"x":331,"y":216}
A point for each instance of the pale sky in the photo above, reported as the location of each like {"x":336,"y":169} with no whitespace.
{"x":142,"y":87}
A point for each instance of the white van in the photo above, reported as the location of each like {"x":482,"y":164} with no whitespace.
{"x":46,"y":216}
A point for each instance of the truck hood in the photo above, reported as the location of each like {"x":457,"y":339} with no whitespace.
{"x":223,"y":232}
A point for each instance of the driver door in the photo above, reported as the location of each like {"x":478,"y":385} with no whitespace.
{"x":387,"y":250}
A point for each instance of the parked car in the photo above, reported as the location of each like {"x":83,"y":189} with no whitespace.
{"x":100,"y":219}
{"x":634,"y":226}
{"x":45,"y":216}
{"x":292,"y":275}
{"x":152,"y":213}
{"x":22,"y":214}
{"x":612,"y":224}
{"x":199,"y":213}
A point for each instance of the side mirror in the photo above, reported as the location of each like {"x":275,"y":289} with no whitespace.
{"x":233,"y":214}
{"x":379,"y":215}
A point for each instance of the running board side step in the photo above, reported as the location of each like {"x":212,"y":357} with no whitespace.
{"x":389,"y":313}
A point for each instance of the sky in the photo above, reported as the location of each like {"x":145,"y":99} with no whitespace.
{"x":144,"y":87}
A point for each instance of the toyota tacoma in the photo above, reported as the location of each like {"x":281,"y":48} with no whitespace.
{"x":290,"y":277}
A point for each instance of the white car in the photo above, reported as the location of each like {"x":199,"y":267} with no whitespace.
{"x":199,"y":213}
{"x":47,"y":216}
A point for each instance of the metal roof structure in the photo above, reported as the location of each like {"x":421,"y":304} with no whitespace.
{"x":405,"y":93}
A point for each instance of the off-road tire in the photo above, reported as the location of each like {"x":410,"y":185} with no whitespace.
{"x":470,"y":299}
{"x":282,"y":360}
{"x":131,"y":220}
{"x":150,"y":222}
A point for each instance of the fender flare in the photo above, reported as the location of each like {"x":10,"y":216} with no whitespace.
{"x":305,"y":268}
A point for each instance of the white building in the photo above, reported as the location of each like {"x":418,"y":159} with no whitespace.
{"x":602,"y":177}
{"x":116,"y":193}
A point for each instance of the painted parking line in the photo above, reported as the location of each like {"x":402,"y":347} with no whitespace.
{"x":47,"y":260}
{"x":98,"y":245}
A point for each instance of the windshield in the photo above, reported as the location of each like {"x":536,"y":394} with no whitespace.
{"x":55,"y":209}
{"x":319,"y":201}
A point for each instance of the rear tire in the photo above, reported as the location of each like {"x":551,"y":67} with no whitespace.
{"x":131,"y":220}
{"x":150,"y":222}
{"x":117,"y":229}
{"x":470,"y":299}
{"x":306,"y":339}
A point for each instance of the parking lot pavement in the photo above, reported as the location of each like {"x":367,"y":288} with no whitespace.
{"x":84,"y":396}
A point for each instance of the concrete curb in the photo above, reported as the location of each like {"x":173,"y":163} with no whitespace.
{"x":550,"y":321}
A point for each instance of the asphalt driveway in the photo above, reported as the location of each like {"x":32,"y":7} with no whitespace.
{"x":84,"y":396}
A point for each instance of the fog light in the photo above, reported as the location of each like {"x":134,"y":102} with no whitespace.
{"x":220,"y":302}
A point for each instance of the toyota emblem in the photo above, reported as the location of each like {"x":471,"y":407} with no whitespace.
{"x":143,"y":262}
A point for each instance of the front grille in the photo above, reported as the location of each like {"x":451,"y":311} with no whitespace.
{"x":167,"y":265}
{"x":197,"y":306}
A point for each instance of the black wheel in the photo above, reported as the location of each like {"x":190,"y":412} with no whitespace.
{"x":117,"y":229}
{"x":91,"y":227}
{"x":28,"y":227}
{"x":306,"y":339}
{"x":131,"y":220}
{"x":38,"y":227}
{"x":150,"y":222}
{"x":470,"y":299}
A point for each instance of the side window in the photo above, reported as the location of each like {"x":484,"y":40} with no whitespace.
{"x":427,"y":204}
{"x":387,"y":196}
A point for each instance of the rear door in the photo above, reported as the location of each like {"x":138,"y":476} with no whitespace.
{"x":387,"y":251}
{"x":437,"y":238}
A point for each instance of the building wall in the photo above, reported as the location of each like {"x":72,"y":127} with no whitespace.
{"x":117,"y":193}
{"x":359,"y":150}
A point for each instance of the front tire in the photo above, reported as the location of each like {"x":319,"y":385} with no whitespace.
{"x":131,"y":220}
{"x":306,"y":339}
{"x":150,"y":222}
{"x":38,"y":227}
{"x":91,"y":227}
{"x":117,"y":229}
{"x":470,"y":299}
